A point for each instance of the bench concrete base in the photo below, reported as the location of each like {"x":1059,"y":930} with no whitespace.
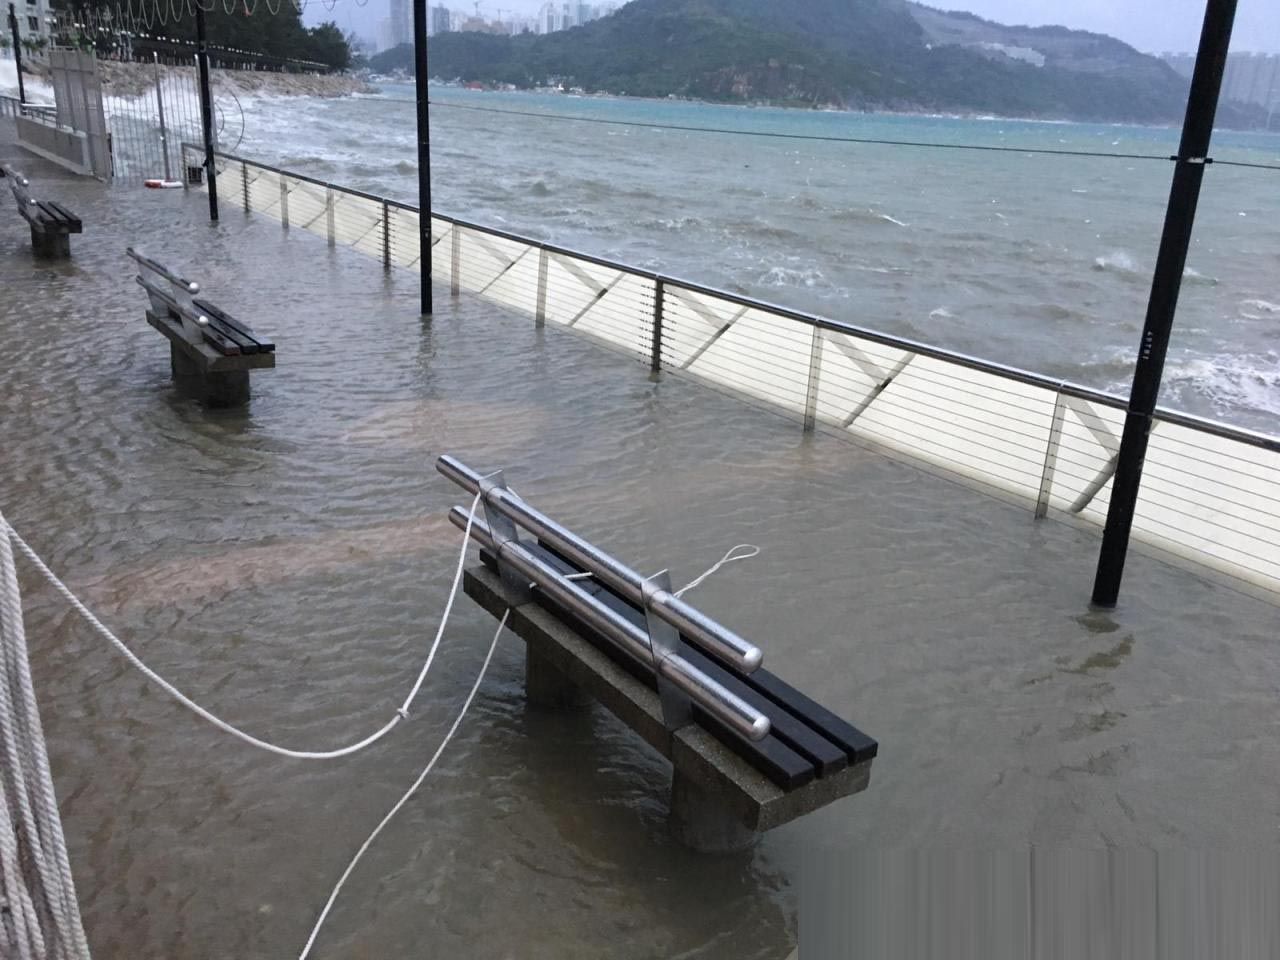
{"x":719,"y":802}
{"x":230,"y":389}
{"x":48,"y":245}
{"x":203,"y":373}
{"x":700,"y":822}
{"x":546,"y":686}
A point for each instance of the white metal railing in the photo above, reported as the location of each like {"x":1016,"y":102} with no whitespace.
{"x":13,"y":107}
{"x":1211,"y":492}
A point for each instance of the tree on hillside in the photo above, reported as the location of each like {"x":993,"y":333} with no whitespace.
{"x":279,"y":35}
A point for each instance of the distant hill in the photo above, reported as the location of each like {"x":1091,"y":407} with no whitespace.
{"x":858,"y":54}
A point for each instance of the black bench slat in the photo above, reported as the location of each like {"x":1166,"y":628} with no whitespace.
{"x":220,"y":321}
{"x":72,"y":220}
{"x":826,"y":756}
{"x":855,"y":744}
{"x":232,"y":335}
{"x":55,"y":215}
{"x":772,"y":757}
{"x":241,"y":331}
{"x":213,"y":337}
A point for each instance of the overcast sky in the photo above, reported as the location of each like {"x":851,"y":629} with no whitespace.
{"x":1150,"y":25}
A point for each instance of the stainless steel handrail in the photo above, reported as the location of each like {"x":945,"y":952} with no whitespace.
{"x":1191,"y":421}
{"x":700,"y":629}
{"x":199,"y":319}
{"x":723,"y":704}
{"x":156,"y":267}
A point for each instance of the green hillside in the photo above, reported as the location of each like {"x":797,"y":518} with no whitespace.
{"x":860,"y":54}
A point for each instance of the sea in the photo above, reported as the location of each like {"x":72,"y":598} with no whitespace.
{"x":1038,"y":261}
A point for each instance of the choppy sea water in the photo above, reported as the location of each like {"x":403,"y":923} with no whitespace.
{"x":1042,"y":262}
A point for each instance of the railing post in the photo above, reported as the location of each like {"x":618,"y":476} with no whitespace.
{"x":244,"y":183}
{"x":386,"y":237}
{"x":455,"y":262}
{"x":17,"y":58}
{"x":815,"y":373}
{"x":540,"y":314}
{"x":1166,"y":283}
{"x":421,"y":73}
{"x":659,"y":294}
{"x":1051,"y":456}
{"x":284,"y":202}
{"x":328,"y":215}
{"x":206,"y":112}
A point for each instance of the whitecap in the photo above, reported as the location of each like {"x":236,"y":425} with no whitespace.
{"x":1229,"y":382}
{"x":941,"y":313}
{"x":1119,"y":260}
{"x":1192,"y":275}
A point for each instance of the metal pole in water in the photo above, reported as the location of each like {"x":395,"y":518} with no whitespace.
{"x":164,"y":136}
{"x":1184,"y":195}
{"x":17,"y":56}
{"x":420,"y":75}
{"x":206,"y":111}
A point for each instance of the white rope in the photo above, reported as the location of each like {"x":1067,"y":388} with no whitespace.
{"x":401,"y":714}
{"x":315,"y":931}
{"x":731,"y":557}
{"x":41,"y":919}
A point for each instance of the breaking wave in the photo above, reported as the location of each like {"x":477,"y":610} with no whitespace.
{"x":1118,"y":261}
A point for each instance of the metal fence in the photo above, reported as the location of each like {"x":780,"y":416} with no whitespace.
{"x":147,"y":130}
{"x":1211,"y":492}
{"x":14,"y":108}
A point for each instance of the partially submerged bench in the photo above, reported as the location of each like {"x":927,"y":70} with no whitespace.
{"x":210,"y":352}
{"x":748,"y":751}
{"x":51,"y":223}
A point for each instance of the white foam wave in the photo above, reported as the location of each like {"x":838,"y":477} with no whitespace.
{"x":1261,"y":306}
{"x":1120,"y":261}
{"x":810,"y":278}
{"x":1248,"y":382}
{"x":37,"y":91}
{"x":941,"y":313}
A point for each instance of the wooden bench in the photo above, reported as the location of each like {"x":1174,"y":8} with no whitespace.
{"x":210,"y":351}
{"x":726,"y":787}
{"x":51,"y":223}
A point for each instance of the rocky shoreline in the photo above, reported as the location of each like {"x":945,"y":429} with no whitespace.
{"x":135,"y":79}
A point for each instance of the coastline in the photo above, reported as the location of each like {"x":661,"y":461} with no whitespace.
{"x":121,"y":79}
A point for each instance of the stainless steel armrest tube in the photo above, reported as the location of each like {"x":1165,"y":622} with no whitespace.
{"x":701,"y":630}
{"x":707,"y":692}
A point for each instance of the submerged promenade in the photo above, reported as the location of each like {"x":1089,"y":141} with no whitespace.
{"x":287,"y":562}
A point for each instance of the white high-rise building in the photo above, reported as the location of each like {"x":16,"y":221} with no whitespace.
{"x":401,"y":17}
{"x":439,"y":20}
{"x":33,"y":17}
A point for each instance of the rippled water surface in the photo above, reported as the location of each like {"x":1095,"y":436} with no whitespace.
{"x":286,"y":565}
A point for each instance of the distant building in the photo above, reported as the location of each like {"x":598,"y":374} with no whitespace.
{"x":34,"y":20}
{"x":561,"y":15}
{"x":440,"y":20}
{"x":385,"y":35}
{"x":1250,"y":77}
{"x":400,"y":15}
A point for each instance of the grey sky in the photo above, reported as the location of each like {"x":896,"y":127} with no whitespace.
{"x":1150,"y":25}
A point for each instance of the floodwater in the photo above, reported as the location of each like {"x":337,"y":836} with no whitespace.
{"x":286,"y":565}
